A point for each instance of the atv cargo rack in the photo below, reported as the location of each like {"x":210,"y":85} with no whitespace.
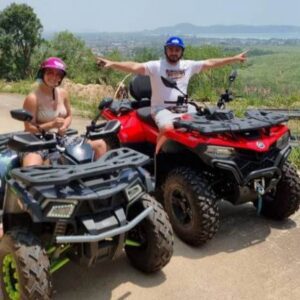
{"x":253,"y":120}
{"x":63,"y":174}
{"x":4,"y":138}
{"x":294,"y":118}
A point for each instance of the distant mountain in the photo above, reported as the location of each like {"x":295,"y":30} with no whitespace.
{"x":187,"y":28}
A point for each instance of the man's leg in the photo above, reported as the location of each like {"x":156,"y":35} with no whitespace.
{"x":164,"y":121}
{"x":161,"y":138}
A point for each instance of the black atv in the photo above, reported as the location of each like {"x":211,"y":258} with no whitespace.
{"x":84,"y":212}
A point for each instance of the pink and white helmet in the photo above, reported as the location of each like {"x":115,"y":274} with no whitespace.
{"x":54,"y":63}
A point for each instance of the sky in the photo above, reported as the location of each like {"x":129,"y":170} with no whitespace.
{"x":138,"y":15}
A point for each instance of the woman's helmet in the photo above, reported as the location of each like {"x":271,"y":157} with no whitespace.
{"x":52,"y":63}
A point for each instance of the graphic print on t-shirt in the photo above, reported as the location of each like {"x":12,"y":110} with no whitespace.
{"x":175,"y":74}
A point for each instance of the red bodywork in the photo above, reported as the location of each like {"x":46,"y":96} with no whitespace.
{"x":134,"y":130}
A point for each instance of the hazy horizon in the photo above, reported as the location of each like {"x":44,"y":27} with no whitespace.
{"x":136,"y":15}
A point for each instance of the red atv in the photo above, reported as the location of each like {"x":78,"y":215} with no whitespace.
{"x":210,"y":156}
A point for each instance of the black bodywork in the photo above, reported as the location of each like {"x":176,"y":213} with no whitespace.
{"x":83,"y":204}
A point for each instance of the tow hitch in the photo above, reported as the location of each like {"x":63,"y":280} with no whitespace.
{"x":259,"y":187}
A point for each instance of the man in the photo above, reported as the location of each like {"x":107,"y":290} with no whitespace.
{"x":174,"y":67}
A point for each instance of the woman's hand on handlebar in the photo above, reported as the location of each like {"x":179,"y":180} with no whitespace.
{"x":58,"y":122}
{"x":62,"y":131}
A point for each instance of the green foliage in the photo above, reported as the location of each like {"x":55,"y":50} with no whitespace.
{"x":20,"y":34}
{"x":207,"y":86}
{"x":145,"y":54}
{"x":272,"y":77}
{"x":80,"y":61}
{"x":21,"y":87}
{"x":295,"y":156}
{"x":109,"y":76}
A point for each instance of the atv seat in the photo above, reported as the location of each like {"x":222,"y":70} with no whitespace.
{"x":144,"y":114}
{"x":140,"y":88}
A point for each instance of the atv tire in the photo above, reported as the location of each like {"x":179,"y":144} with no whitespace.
{"x":284,"y":201}
{"x":24,"y":267}
{"x":191,"y":205}
{"x":154,"y":236}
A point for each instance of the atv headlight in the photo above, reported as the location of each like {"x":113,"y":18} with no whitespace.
{"x":283,"y":141}
{"x":59,"y":208}
{"x":133,"y":191}
{"x":219,"y":151}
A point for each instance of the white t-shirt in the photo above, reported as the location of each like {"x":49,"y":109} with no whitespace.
{"x":181,"y":73}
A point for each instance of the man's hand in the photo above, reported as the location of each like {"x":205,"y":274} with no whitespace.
{"x":241,"y":57}
{"x":103,"y":63}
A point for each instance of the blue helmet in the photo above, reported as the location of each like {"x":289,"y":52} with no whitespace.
{"x":175,"y":41}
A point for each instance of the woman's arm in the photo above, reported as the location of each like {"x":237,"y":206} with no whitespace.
{"x":68,"y":118}
{"x":30,"y":105}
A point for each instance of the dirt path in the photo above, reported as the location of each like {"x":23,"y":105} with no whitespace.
{"x":250,"y":258}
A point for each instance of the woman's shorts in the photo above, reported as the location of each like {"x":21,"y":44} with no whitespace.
{"x":64,"y":142}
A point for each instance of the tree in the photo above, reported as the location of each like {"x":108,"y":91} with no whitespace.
{"x":80,"y":61}
{"x":20,"y":34}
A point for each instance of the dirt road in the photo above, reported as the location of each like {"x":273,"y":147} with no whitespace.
{"x":250,"y":258}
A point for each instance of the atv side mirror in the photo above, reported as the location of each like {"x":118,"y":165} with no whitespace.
{"x":105,"y":102}
{"x":170,"y":83}
{"x":21,"y":115}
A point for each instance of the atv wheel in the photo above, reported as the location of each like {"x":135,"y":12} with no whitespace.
{"x":191,"y":205}
{"x":284,"y":201}
{"x":152,"y":238}
{"x":24,"y":267}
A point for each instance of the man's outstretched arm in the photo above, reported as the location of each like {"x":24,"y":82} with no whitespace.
{"x":219,"y":62}
{"x":125,"y":66}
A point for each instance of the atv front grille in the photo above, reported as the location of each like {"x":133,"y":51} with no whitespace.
{"x":248,"y":161}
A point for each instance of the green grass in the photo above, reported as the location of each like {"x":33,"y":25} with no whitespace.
{"x":20,"y":87}
{"x":273,"y":77}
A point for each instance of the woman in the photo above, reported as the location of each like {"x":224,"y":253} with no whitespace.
{"x":51,"y":110}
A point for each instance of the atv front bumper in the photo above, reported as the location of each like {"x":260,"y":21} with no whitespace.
{"x":107,"y":234}
{"x":242,"y":179}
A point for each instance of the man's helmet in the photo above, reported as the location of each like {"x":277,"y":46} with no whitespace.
{"x":175,"y":41}
{"x":52,"y":63}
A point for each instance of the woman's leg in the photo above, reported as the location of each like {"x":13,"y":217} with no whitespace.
{"x":99,"y":147}
{"x":32,"y":159}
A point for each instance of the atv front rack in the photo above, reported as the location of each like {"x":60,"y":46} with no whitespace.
{"x":253,"y":120}
{"x":63,"y":174}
